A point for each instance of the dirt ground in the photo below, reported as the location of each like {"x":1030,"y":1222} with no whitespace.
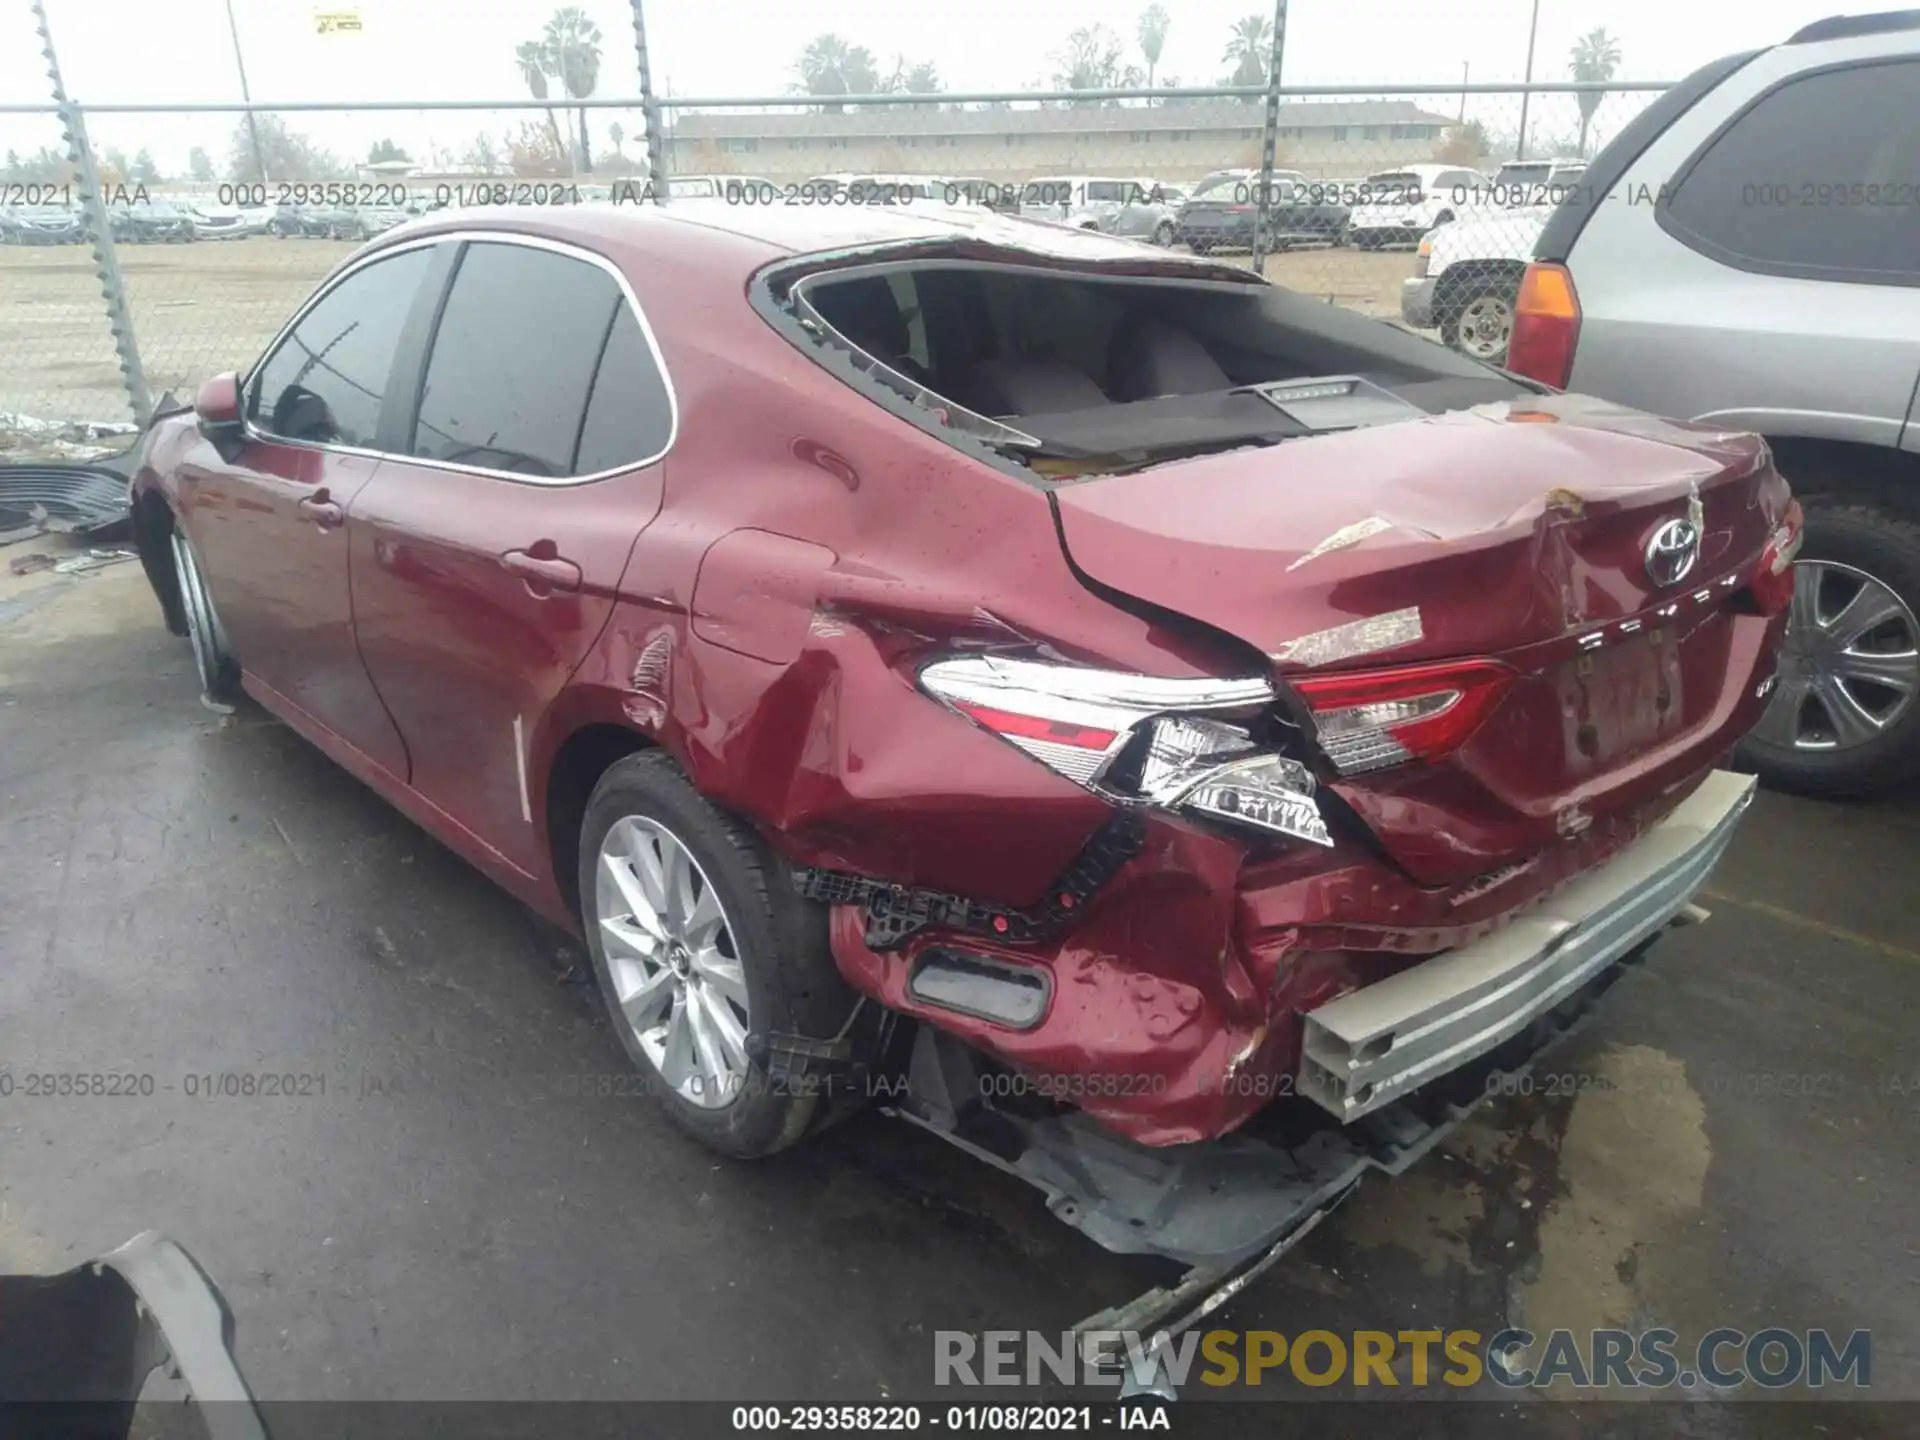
{"x":198,"y":309}
{"x":210,"y":306}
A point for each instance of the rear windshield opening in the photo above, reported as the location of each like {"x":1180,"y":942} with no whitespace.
{"x":1074,"y":374}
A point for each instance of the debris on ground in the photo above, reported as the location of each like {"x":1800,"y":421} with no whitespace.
{"x":37,"y":499}
{"x":96,"y":559}
{"x":28,"y":564}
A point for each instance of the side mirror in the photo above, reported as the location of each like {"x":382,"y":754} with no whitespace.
{"x":217,"y":405}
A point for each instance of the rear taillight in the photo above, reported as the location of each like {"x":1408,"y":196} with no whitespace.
{"x":1772,"y":587}
{"x":1370,"y":719}
{"x":1140,"y":739}
{"x":1546,"y":325}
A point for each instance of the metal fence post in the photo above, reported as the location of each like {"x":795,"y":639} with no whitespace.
{"x":650,"y":109}
{"x":93,"y":208}
{"x":1269,"y":137}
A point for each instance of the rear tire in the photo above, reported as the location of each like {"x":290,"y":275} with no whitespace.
{"x":1163,"y":234}
{"x":1800,"y":745}
{"x":775,"y":956}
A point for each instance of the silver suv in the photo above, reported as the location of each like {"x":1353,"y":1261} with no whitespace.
{"x":1746,"y":253}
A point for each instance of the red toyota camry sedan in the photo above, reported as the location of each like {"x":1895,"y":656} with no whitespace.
{"x":1088,"y":681}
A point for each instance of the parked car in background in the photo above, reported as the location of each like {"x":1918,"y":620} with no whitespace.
{"x":1746,"y":253}
{"x":149,"y":222}
{"x":1397,"y":207}
{"x":662,"y":623}
{"x":1223,"y":209}
{"x":1056,"y":197}
{"x":296,"y":221}
{"x":1524,"y":184}
{"x":217,"y":222}
{"x":748,"y":188}
{"x":1466,"y":278}
{"x":1140,"y":210}
{"x":257,"y":218}
{"x":363,"y":222}
{"x":44,"y":225}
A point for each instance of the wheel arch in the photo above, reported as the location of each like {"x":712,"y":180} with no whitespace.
{"x":152,"y":531}
{"x":1850,"y":470}
{"x":1465,"y":278}
{"x":579,"y":761}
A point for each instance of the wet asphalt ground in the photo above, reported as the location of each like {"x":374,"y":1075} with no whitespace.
{"x":446,"y":1207}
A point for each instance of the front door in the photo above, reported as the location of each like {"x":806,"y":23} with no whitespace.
{"x":485,"y":567}
{"x":268,"y":518}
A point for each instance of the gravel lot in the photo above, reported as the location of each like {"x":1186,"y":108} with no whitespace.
{"x":1731,"y":1142}
{"x":210,"y":306}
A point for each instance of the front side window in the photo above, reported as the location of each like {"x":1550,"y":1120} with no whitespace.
{"x":326,"y":382}
{"x":1816,"y":179}
{"x":514,"y":361}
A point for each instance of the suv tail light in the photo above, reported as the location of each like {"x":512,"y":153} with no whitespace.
{"x":1138,"y":739}
{"x":1772,"y":587}
{"x":1546,"y":325}
{"x":1370,"y":719}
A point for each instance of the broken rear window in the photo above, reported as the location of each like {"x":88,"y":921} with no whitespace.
{"x":1074,"y":372}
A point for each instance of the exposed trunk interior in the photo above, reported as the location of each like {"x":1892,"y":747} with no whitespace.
{"x":1093,"y":375}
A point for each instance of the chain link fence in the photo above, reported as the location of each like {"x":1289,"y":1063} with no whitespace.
{"x":1417,"y":206}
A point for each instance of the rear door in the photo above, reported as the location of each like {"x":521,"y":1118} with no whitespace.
{"x":1759,"y":266}
{"x":485,"y":565}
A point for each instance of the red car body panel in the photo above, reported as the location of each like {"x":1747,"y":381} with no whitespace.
{"x":757,"y":603}
{"x":278,"y":573}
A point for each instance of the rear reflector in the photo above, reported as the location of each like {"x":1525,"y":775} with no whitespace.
{"x":1546,"y":325}
{"x":1370,"y":719}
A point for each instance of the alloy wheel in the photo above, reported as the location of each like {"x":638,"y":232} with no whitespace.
{"x":673,"y":960}
{"x":1850,"y":664}
{"x":1486,"y":325}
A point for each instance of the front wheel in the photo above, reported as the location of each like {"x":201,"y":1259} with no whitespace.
{"x":1843,"y":719}
{"x":1163,"y":234}
{"x":212,"y":657}
{"x":705,"y":954}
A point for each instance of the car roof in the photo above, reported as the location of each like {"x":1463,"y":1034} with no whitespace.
{"x":779,"y":230}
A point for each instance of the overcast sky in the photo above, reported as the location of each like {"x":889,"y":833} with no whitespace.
{"x":147,"y":51}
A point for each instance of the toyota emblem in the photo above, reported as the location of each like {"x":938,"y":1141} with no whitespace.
{"x":1671,"y":551}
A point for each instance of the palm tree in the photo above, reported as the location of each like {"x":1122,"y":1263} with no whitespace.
{"x":618,"y":137}
{"x":572,"y":43}
{"x":531,"y":56}
{"x":1248,"y":50}
{"x":830,"y":66}
{"x":1596,"y":55}
{"x":1152,"y":34}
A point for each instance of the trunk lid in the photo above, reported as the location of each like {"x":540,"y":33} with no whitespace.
{"x":1514,"y":531}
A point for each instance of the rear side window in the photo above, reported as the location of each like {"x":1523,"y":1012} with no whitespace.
{"x":1816,"y":179}
{"x":514,"y":360}
{"x":326,"y":381}
{"x":629,"y":416}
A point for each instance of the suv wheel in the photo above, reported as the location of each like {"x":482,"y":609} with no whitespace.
{"x":1843,"y":719}
{"x":704,"y":953}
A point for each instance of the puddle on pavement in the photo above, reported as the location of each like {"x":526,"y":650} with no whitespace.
{"x":1579,"y":1205}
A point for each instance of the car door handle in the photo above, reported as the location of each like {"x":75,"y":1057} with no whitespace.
{"x":543,"y":573}
{"x":321,"y":509}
